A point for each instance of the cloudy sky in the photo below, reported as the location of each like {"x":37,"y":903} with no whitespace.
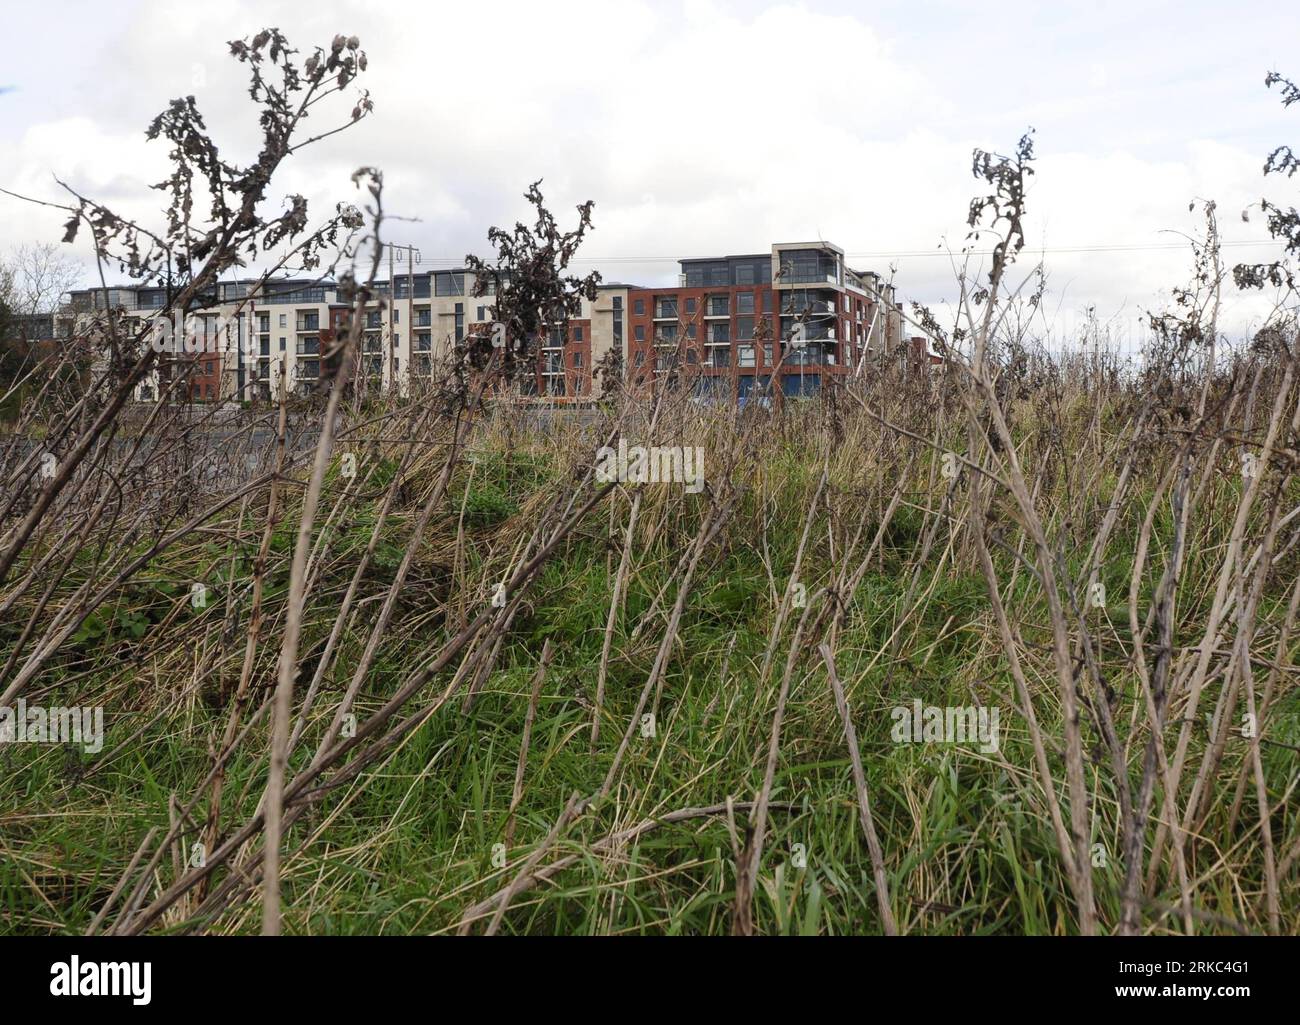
{"x":709,"y":126}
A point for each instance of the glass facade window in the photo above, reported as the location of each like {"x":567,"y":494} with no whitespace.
{"x":447,"y":283}
{"x":807,"y":266}
{"x":797,"y":386}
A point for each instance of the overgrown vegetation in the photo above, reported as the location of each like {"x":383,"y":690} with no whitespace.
{"x":473,"y":688}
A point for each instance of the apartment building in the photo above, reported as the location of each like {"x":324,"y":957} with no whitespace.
{"x":732,"y":322}
{"x":249,"y":335}
{"x":727,"y":327}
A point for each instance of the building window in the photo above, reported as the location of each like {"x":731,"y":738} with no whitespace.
{"x":638,"y":332}
{"x":690,"y":330}
{"x":690,"y":306}
{"x":397,"y":315}
{"x":638,"y":308}
{"x":745,"y":356}
{"x":445,"y":283}
{"x":460,"y":322}
{"x":666,"y":308}
{"x":618,"y":302}
{"x":767,"y":301}
{"x":482,"y":313}
{"x":719,"y":306}
{"x":284,"y":320}
{"x":577,"y":361}
{"x":720,"y":332}
{"x":640,"y":359}
{"x":745,"y":274}
{"x":577,"y":333}
{"x":745,"y":328}
{"x":744,"y":302}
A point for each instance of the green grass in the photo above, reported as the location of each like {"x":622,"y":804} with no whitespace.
{"x":969,"y":848}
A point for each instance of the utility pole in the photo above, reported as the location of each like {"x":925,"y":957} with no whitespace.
{"x":413,"y":256}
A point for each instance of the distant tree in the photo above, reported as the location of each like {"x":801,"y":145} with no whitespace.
{"x":35,"y":277}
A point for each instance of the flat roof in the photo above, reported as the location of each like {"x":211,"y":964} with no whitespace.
{"x":716,"y":259}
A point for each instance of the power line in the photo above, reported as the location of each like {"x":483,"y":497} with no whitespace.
{"x":929,"y":253}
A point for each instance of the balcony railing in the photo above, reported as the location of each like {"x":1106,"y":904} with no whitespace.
{"x":811,"y":356}
{"x":301,"y":295}
{"x":791,"y":275}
